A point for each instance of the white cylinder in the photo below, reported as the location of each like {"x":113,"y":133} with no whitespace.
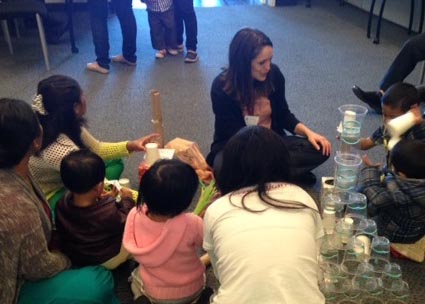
{"x":399,"y":125}
{"x":152,"y":153}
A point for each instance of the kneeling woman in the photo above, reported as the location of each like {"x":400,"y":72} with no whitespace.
{"x":251,"y":91}
{"x":261,"y":235}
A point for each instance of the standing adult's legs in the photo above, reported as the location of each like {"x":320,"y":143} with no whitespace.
{"x":125,"y":14}
{"x":185,"y":13}
{"x":98,"y":10}
{"x":413,"y":51}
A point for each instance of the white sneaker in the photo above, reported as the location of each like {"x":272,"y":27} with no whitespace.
{"x":95,"y":67}
{"x":161,"y":54}
{"x":173,"y":52}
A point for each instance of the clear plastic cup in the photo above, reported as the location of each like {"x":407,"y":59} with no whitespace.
{"x":356,"y":208}
{"x":354,"y":255}
{"x":347,"y":168}
{"x":380,"y":253}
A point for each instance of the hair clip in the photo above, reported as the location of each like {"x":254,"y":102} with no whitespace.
{"x":38,"y":105}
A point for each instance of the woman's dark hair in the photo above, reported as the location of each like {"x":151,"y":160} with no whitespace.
{"x":168,"y":187}
{"x":82,"y":170}
{"x":408,"y":157}
{"x":246,"y":45}
{"x":19,"y":127}
{"x":255,"y":156}
{"x":401,"y":96}
{"x":60,"y":94}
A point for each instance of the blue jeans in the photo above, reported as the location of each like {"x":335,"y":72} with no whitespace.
{"x":412,"y":52}
{"x":185,"y":13}
{"x":98,"y":10}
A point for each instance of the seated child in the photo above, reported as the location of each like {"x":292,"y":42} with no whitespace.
{"x":163,"y":238}
{"x":90,"y":222}
{"x":397,"y":100}
{"x":398,"y":202}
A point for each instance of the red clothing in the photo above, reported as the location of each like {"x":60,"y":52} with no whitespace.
{"x":92,"y":235}
{"x":170,"y":267}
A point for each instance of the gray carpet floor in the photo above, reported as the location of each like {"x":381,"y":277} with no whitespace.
{"x":322,"y":52}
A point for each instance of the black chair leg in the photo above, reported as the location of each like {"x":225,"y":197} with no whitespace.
{"x":412,"y":13}
{"x":421,"y":22}
{"x":369,"y":22}
{"x":378,"y":29}
{"x":69,"y":12}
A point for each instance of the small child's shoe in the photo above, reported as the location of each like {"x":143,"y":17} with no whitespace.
{"x":121,"y":59}
{"x":161,"y":54}
{"x":173,"y":52}
{"x":95,"y":67}
{"x":180,"y":48}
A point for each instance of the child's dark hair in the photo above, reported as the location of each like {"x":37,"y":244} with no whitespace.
{"x":60,"y":94}
{"x":401,"y":96}
{"x":19,"y":127}
{"x":168,"y":187}
{"x":408,"y":157}
{"x":82,"y":170}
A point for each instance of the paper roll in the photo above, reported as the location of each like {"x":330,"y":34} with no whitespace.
{"x":399,"y":125}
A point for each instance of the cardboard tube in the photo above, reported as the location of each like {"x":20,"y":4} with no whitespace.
{"x":157,"y":116}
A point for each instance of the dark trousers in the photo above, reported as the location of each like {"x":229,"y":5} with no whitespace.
{"x":412,"y":52}
{"x":98,"y":10}
{"x":303,"y":157}
{"x":162,"y":29}
{"x":186,"y":20}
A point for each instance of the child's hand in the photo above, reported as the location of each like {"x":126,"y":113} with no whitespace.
{"x":139,"y":144}
{"x":368,"y":162}
{"x":126,"y":192}
{"x":416,"y":111}
{"x":143,"y":167}
{"x":113,"y":192}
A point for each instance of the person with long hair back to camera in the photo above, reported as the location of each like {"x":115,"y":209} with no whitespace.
{"x":251,"y":91}
{"x":262,"y":234}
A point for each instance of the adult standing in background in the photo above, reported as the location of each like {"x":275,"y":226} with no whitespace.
{"x":412,"y":52}
{"x":186,"y":22}
{"x":98,"y":10}
{"x":251,"y":91}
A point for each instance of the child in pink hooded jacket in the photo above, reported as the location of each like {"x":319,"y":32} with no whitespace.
{"x":163,"y":238}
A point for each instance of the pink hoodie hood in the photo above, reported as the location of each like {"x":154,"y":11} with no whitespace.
{"x":165,"y":243}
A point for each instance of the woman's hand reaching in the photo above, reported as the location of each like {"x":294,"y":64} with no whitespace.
{"x":139,"y":144}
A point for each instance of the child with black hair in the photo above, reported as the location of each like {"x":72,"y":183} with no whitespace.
{"x":164,"y":239}
{"x":397,"y":100}
{"x":91,"y":222}
{"x":398,"y":202}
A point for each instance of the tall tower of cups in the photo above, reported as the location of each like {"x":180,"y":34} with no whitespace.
{"x":347,"y":162}
{"x":347,"y":159}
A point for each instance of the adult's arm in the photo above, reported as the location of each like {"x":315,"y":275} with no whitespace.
{"x":228,"y":118}
{"x":36,"y":261}
{"x":106,"y":150}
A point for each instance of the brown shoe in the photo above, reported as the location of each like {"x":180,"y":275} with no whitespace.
{"x":120,"y":59}
{"x":95,"y":67}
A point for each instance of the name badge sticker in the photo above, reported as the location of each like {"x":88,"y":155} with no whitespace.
{"x":251,"y":120}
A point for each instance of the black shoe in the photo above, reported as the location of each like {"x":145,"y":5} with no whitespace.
{"x":205,"y":296}
{"x":371,"y":98}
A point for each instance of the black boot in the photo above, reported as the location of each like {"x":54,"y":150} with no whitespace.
{"x":371,"y":98}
